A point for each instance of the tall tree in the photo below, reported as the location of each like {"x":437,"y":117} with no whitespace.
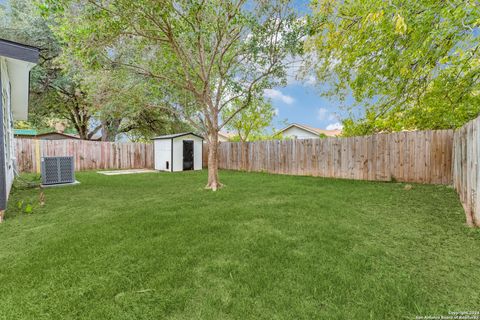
{"x":202,"y":54}
{"x":66,"y":97}
{"x":410,"y":64}
{"x":57,"y":91}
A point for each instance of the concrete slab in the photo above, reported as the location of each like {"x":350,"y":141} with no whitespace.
{"x":129,"y":171}
{"x":60,"y":184}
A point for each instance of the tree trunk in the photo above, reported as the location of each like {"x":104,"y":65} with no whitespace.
{"x":213,"y":182}
{"x":82,"y":131}
{"x":110,"y":129}
{"x":244,"y":155}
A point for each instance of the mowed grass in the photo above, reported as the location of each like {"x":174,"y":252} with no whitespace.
{"x":159,"y":246}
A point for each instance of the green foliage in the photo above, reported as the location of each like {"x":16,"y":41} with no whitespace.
{"x":250,"y":123}
{"x":24,"y":207}
{"x":28,"y":208}
{"x":202,"y":56}
{"x":127,"y":103}
{"x":63,"y":90}
{"x":56,"y":88}
{"x":410,"y":64}
{"x":28,"y":203}
{"x":23,"y":125}
{"x":261,"y":136}
{"x":199,"y":55}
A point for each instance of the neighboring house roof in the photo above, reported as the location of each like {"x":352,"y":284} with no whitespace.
{"x":226,"y":135}
{"x":25,"y":132}
{"x":317,"y":131}
{"x":36,"y":135}
{"x":176,"y":135}
{"x":19,"y":59}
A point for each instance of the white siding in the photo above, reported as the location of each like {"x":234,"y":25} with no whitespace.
{"x":163,"y":153}
{"x":7,"y":126}
{"x":222,"y":138}
{"x":197,"y":161}
{"x":178,"y":152}
{"x":298,"y":133}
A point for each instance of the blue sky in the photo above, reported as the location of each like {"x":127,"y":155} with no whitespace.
{"x":302,"y":103}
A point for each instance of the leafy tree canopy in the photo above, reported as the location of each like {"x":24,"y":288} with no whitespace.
{"x":250,"y":123}
{"x":64,"y":90}
{"x":410,"y":64}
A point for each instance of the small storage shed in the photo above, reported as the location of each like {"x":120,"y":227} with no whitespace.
{"x":178,"y":152}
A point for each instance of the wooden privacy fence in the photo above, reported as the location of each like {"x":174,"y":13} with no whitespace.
{"x":466,"y":169}
{"x":88,"y":154}
{"x":437,"y":156}
{"x":416,"y":156}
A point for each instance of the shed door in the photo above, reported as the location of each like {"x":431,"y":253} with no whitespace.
{"x":187,"y":154}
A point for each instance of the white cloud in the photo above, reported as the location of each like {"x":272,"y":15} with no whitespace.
{"x":311,"y":80}
{"x":322,"y":114}
{"x":276,"y":111}
{"x":332,"y":116}
{"x":299,"y":74}
{"x":335,"y":126}
{"x":278,"y":95}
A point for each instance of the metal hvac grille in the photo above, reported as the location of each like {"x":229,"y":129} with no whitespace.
{"x":57,"y":170}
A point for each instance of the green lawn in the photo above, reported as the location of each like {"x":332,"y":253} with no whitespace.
{"x":158,"y":246}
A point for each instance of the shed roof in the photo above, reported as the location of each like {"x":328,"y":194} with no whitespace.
{"x":176,"y":135}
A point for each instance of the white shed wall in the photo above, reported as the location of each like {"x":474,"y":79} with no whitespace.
{"x":163,"y":153}
{"x":178,"y":152}
{"x":298,"y":133}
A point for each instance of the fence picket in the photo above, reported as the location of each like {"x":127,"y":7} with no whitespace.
{"x":88,"y":155}
{"x":417,"y":156}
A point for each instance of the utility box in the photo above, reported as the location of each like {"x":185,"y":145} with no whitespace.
{"x":57,"y":170}
{"x":178,"y":152}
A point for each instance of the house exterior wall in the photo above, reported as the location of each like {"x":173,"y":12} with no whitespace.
{"x":178,"y":152}
{"x":298,"y":133}
{"x":16,"y":60}
{"x":3,"y":185}
{"x":222,"y":138}
{"x":7,"y":126}
{"x":162,"y":154}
